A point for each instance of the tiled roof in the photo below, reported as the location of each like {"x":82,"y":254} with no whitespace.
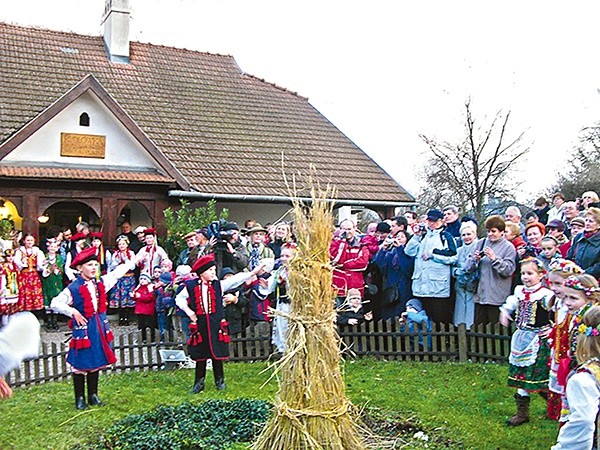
{"x":82,"y":174}
{"x":223,"y":130}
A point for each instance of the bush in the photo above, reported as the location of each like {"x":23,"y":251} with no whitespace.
{"x":210,"y":425}
{"x":185,"y":219}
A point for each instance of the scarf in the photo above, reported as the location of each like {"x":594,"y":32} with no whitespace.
{"x":254,"y":257}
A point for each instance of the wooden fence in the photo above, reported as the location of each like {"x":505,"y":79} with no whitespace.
{"x":388,"y":340}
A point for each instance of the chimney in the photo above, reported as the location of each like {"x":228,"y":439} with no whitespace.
{"x":116,"y":30}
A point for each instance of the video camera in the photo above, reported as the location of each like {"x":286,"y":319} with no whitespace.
{"x":219,"y":229}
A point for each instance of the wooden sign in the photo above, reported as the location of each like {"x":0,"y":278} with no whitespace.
{"x":82,"y":145}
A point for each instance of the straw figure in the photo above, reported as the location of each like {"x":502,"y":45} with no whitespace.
{"x":311,"y":408}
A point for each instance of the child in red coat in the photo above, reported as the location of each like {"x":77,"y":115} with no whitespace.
{"x":143,"y":295}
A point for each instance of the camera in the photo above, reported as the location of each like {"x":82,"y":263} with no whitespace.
{"x":422,"y":229}
{"x":344,"y":235}
{"x":218,"y":230}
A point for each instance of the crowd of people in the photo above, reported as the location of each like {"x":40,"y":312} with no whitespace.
{"x":540,"y":271}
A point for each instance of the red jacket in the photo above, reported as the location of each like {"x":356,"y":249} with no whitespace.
{"x":144,"y":300}
{"x":350,"y":260}
{"x":372,"y":243}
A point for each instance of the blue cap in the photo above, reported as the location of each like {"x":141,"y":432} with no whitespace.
{"x":434,"y":214}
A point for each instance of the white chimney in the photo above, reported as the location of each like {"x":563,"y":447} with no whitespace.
{"x":116,"y":30}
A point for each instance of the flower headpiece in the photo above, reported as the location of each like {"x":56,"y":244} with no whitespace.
{"x":589,"y":330}
{"x":565,"y":266}
{"x":574,"y":283}
{"x":539,"y":264}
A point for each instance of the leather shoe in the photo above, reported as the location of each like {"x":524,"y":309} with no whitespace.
{"x":94,"y":400}
{"x":80,"y":403}
{"x":220,"y":384}
{"x":198,"y":387}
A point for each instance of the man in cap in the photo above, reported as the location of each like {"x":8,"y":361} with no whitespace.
{"x":434,"y":251}
{"x":256,"y":246}
{"x":191,"y":242}
{"x":202,"y":302}
{"x":152,"y":255}
{"x":85,"y":301}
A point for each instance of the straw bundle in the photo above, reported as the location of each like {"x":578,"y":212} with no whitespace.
{"x":311,"y":409}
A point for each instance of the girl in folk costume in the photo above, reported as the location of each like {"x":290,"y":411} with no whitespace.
{"x":583,"y":388}
{"x":581,"y":293}
{"x":528,"y":371}
{"x":103,"y":255}
{"x":85,"y":301}
{"x":560,"y":270}
{"x":202,"y":301}
{"x":31,"y":262}
{"x":52,"y":280}
{"x":152,"y":254}
{"x":9,"y":286}
{"x":120,"y":295}
{"x":79,"y":243}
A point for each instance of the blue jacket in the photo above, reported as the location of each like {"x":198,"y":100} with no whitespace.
{"x":585,"y":252}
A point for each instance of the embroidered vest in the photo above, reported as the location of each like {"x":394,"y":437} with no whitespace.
{"x":82,"y":298}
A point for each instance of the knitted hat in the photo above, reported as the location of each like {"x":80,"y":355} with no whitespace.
{"x":139,"y":229}
{"x":166,"y":277}
{"x":415,"y":303}
{"x":183,"y":270}
{"x":540,"y":226}
{"x":89,"y":254}
{"x":145,"y":276}
{"x":225,"y":271}
{"x":353,"y":293}
{"x":204,"y":263}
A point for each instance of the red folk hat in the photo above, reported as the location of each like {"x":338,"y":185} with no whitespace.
{"x":89,"y":254}
{"x":204,"y":263}
{"x":78,"y":237}
{"x":148,"y":231}
{"x":96,"y":235}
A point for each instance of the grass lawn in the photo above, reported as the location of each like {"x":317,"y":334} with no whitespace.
{"x":458,"y":405}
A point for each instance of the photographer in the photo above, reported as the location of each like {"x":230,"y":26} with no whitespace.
{"x":227,"y":247}
{"x":495,"y":259}
{"x":349,"y":259}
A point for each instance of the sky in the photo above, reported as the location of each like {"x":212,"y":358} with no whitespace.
{"x":386,"y":71}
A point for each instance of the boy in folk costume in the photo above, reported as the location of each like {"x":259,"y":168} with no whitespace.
{"x":85,"y":301}
{"x":152,"y":254}
{"x":202,"y":301}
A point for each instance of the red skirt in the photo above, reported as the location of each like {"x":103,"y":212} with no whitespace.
{"x":31,"y":296}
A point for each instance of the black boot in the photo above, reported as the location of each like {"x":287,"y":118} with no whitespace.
{"x":79,"y":384}
{"x":219,"y":373}
{"x":92,"y":388}
{"x":199,"y":376}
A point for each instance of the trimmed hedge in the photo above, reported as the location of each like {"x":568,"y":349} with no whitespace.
{"x":210,"y":425}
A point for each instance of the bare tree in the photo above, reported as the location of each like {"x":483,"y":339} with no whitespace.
{"x":477,"y":168}
{"x":583,"y":171}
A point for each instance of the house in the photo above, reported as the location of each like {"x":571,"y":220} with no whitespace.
{"x":103,"y":129}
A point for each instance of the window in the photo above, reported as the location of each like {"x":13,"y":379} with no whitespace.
{"x":84,"y":120}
